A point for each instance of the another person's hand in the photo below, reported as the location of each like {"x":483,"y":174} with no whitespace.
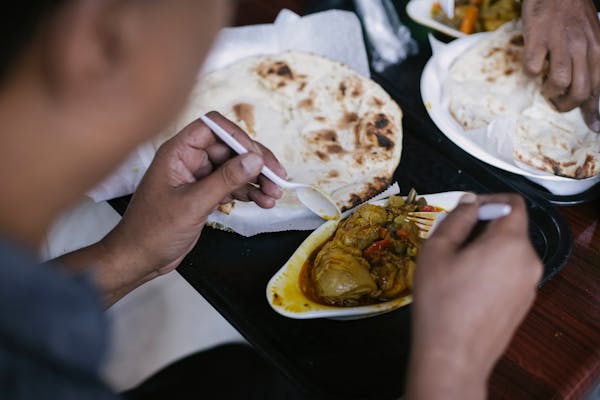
{"x":567,"y":33}
{"x":469,"y":298}
{"x":190,"y":176}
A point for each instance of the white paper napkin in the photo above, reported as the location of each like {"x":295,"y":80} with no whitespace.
{"x":334,"y":34}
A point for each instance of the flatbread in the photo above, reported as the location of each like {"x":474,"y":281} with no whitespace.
{"x":559,"y":143}
{"x":328,"y":125}
{"x":488,"y":82}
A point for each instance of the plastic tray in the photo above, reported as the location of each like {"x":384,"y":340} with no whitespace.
{"x":330,"y":359}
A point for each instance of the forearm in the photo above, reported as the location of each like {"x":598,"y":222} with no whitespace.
{"x":437,"y":374}
{"x":111,"y":269}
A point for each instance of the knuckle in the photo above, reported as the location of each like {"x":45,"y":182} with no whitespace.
{"x":517,"y":202}
{"x":213,"y":114}
{"x":535,"y":271}
{"x":594,"y":48}
{"x":562,"y":104}
{"x":229,"y":176}
{"x":560,"y":77}
{"x":581,"y":95}
{"x":577,"y":43}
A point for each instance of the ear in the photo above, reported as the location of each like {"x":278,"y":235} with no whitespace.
{"x":85,"y":46}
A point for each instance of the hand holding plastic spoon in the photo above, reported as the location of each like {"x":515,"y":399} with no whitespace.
{"x":312,"y":197}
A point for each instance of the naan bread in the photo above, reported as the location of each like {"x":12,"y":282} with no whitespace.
{"x":488,"y":81}
{"x":559,"y":143}
{"x":328,"y":125}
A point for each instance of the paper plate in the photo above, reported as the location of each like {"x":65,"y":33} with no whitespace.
{"x":432,"y":86}
{"x":283,"y":290}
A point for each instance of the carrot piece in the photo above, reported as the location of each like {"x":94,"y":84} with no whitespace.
{"x":377,"y":247}
{"x":467,"y":24}
{"x":436,"y":6}
{"x":403,"y":234}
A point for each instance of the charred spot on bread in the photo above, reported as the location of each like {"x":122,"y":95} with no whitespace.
{"x":381,"y":121}
{"x":377,"y":102}
{"x":277,"y":74}
{"x":322,"y":156}
{"x":553,"y":164}
{"x":586,"y":169}
{"x":349,"y":119}
{"x":342,"y":89}
{"x":306,"y":104}
{"x":245,"y":112}
{"x":323,"y":136}
{"x":355,"y":199}
{"x":517,"y":40}
{"x":378,"y":127}
{"x":227,"y":208}
{"x":383,"y":141}
{"x":284,"y":70}
{"x":335,"y":149}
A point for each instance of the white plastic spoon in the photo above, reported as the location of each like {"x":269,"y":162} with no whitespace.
{"x":312,"y":197}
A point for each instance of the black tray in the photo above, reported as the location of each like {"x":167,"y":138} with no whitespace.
{"x":358,"y":359}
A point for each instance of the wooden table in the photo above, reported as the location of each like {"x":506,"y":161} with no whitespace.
{"x":555,"y":354}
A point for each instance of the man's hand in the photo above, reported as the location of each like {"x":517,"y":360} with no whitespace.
{"x":190,"y":176}
{"x":567,"y":33}
{"x":469,"y":298}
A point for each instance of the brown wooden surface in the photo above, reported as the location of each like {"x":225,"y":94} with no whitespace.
{"x":555,"y":354}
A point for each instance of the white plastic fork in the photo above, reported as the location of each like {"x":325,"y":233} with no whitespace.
{"x":427,"y":221}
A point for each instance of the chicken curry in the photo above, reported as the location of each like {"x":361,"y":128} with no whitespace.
{"x":370,"y":258}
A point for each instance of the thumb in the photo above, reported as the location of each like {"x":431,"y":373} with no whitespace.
{"x":591,"y":114}
{"x":230,"y":176}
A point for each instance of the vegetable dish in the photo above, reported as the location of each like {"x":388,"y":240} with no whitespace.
{"x":472,"y":16}
{"x":370,"y":258}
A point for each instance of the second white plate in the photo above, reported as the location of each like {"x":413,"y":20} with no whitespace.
{"x":432,"y":87}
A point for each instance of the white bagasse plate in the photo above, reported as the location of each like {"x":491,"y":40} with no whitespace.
{"x":420,"y":11}
{"x":432,"y":87}
{"x":283,"y":290}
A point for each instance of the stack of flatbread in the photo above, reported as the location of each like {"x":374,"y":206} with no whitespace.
{"x":328,"y":125}
{"x":488,"y":81}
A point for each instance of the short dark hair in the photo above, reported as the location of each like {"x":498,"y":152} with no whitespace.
{"x":20,"y":21}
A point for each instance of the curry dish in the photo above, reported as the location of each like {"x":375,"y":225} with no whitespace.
{"x":370,"y":258}
{"x":471,"y":16}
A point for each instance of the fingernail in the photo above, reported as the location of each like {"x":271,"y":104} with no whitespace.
{"x":252,"y":163}
{"x":596,"y":126}
{"x":468,"y":198}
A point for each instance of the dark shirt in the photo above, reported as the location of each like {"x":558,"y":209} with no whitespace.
{"x":53,"y":331}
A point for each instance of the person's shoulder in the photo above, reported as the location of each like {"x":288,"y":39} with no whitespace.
{"x":53,"y":326}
